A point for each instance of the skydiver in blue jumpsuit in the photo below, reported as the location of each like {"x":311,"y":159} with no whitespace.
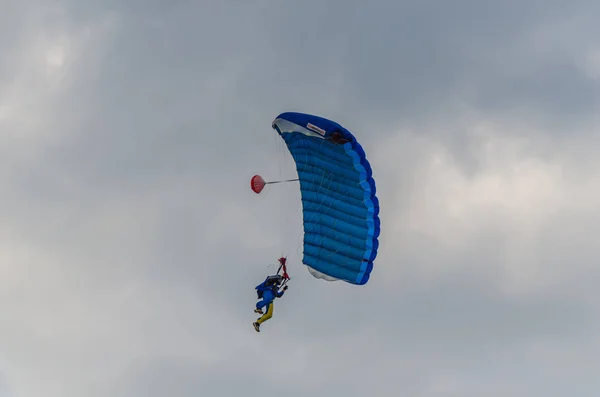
{"x":268,"y":290}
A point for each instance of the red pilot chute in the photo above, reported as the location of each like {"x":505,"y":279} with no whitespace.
{"x":257,"y":183}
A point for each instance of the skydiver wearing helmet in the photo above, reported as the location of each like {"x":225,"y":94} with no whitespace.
{"x":268,"y":290}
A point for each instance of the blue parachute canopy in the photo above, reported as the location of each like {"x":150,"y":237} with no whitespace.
{"x":340,"y":209}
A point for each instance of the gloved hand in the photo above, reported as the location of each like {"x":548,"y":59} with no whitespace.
{"x":285,"y":287}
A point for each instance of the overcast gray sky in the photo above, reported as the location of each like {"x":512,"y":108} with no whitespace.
{"x":130,"y":242}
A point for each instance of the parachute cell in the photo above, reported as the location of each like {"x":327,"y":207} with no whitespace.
{"x":339,"y":205}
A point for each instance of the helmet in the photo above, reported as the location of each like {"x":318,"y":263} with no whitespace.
{"x":274,"y":280}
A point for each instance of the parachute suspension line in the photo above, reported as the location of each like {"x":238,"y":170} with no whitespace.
{"x":287,"y":196}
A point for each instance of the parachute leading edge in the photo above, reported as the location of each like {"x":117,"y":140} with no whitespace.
{"x":339,"y":205}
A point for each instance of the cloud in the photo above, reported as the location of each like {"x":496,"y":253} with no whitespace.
{"x":130,"y":243}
